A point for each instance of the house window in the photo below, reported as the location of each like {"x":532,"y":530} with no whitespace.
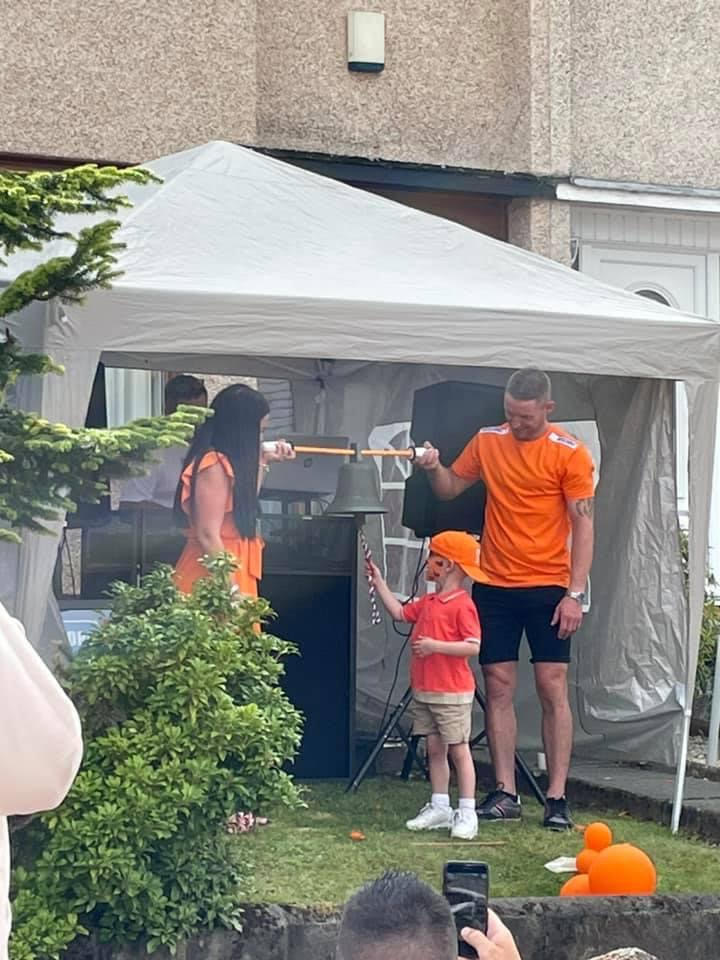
{"x":654,"y":295}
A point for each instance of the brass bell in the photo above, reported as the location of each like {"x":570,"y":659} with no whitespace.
{"x":358,"y":491}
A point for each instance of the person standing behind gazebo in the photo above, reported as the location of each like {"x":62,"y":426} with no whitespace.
{"x":156,"y":488}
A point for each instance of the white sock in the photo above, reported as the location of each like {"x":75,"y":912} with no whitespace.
{"x":466,"y":803}
{"x":440,"y":800}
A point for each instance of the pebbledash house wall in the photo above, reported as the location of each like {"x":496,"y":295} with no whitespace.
{"x":131,"y":81}
{"x":583,"y":88}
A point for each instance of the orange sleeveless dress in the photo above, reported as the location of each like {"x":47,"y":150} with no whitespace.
{"x":248,"y":553}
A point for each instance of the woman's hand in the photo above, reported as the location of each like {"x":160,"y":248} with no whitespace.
{"x":283,"y":451}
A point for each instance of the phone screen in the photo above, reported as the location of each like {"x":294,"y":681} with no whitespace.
{"x":465,"y":887}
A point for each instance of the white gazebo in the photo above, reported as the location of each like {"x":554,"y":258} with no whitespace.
{"x":238,"y":263}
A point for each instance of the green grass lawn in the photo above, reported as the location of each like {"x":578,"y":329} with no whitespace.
{"x":306,"y":857}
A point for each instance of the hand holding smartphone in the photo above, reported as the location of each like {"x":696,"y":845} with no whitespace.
{"x":465,"y":887}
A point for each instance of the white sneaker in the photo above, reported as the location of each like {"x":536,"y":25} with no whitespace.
{"x":431,"y":818}
{"x":464,"y":825}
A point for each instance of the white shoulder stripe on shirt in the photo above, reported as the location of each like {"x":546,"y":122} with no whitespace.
{"x":561,"y":438}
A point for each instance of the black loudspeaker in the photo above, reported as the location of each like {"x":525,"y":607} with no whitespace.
{"x":448,"y":415}
{"x":309,"y":580}
{"x":313,"y":611}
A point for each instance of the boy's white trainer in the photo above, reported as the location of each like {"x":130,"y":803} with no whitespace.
{"x":431,"y":818}
{"x":464,"y":825}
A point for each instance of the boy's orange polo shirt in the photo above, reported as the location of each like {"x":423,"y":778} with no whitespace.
{"x":448,"y":617}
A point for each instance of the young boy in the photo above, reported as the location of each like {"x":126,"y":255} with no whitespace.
{"x":445,"y":633}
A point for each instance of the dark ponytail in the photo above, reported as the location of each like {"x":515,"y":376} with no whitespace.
{"x":234,"y":430}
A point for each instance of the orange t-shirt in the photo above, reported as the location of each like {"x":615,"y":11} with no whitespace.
{"x":525,"y":542}
{"x":448,"y":617}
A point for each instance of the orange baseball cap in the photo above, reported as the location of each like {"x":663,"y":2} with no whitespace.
{"x":463,"y":549}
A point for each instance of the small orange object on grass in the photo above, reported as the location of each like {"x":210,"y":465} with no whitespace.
{"x":357,"y":835}
{"x":584,"y":860}
{"x":623,"y":870}
{"x":577,"y":886}
{"x":598,"y":836}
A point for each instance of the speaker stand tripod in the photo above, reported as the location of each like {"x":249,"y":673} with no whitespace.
{"x":411,"y":743}
{"x":393,"y":722}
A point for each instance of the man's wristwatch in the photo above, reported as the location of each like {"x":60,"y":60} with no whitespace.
{"x":578,"y":595}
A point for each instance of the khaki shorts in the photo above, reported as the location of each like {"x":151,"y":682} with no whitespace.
{"x":451,"y":721}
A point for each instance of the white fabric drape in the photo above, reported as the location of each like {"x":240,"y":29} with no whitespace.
{"x":630,"y":655}
{"x":132,"y":394}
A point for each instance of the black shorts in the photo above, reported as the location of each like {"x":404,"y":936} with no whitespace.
{"x":506,"y":612}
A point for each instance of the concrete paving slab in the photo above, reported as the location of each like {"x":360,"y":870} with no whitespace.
{"x":645,"y":781}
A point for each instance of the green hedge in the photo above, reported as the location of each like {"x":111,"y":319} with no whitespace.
{"x":185,"y":723}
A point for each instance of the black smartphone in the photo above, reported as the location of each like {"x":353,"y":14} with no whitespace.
{"x":465,"y":887}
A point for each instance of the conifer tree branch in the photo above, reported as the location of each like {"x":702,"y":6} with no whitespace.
{"x":48,"y":468}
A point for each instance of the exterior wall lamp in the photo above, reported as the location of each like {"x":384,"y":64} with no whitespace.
{"x":366,"y":41}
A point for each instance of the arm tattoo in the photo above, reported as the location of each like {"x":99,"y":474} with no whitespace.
{"x":585,"y":507}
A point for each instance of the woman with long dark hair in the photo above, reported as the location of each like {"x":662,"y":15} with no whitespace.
{"x":217,"y":496}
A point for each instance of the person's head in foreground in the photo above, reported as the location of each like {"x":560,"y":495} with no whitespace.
{"x":184,"y":389}
{"x":397,"y":916}
{"x":452,"y":557}
{"x":528,"y":403}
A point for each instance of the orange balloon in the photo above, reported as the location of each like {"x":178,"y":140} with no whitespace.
{"x":623,"y":870}
{"x":577,"y":886}
{"x":584,"y":860}
{"x":598,"y":836}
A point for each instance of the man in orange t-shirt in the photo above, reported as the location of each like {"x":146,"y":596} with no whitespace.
{"x":540,"y":490}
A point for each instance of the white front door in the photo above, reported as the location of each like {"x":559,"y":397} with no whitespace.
{"x":681,"y":281}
